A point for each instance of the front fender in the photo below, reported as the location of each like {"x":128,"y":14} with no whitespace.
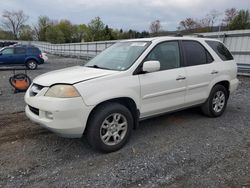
{"x":99,"y":90}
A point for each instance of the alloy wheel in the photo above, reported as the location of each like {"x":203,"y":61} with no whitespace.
{"x":113,"y":129}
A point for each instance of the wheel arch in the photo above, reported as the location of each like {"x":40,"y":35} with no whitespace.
{"x":224,"y":83}
{"x":125,"y":101}
{"x":30,"y":58}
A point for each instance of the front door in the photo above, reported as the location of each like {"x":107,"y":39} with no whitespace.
{"x":165,"y":89}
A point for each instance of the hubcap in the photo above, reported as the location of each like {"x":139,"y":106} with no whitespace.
{"x":218,"y":101}
{"x":32,"y":65}
{"x":114,"y":129}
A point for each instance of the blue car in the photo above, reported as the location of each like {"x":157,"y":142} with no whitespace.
{"x":29,"y":56}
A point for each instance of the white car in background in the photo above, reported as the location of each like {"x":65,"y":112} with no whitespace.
{"x":130,"y":81}
{"x":45,"y":57}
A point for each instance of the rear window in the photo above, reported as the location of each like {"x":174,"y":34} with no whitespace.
{"x":220,"y":50}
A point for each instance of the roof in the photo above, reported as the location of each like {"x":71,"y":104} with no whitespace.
{"x":20,"y":45}
{"x":170,"y":38}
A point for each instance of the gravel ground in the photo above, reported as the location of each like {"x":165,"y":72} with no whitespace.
{"x":183,"y":149}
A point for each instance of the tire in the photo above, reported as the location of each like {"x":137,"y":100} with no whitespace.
{"x":31,"y":64}
{"x":102,"y":129}
{"x":216,"y":102}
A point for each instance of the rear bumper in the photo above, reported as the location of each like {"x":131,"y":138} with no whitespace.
{"x":233,"y":85}
{"x":41,"y":61}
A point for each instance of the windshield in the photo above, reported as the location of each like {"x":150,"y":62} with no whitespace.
{"x":119,"y":56}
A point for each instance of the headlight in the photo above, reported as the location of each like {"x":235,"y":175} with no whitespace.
{"x":62,"y":91}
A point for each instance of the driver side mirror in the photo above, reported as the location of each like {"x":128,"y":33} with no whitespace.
{"x":151,"y":66}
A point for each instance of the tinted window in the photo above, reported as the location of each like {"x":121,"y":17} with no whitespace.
{"x":8,"y":51}
{"x":20,"y":51}
{"x":195,"y":53}
{"x":220,"y":50}
{"x":167,"y":53}
{"x":34,"y":51}
{"x":209,"y":57}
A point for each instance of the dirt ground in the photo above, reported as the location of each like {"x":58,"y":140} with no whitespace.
{"x":183,"y":149}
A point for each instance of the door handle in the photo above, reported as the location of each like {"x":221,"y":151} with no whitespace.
{"x":214,"y":72}
{"x":181,"y":78}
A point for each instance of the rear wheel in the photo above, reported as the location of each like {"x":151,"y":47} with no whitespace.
{"x":31,"y":64}
{"x":109,"y":127}
{"x":217,"y":102}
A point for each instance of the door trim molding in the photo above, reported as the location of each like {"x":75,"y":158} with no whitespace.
{"x":167,"y":92}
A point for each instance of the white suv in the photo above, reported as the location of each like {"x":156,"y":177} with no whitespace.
{"x":130,"y":81}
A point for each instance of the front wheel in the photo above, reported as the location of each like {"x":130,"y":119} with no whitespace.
{"x":109,"y":127}
{"x":216,"y":102}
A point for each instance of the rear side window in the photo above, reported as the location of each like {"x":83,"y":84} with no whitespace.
{"x":34,"y":51}
{"x":220,"y":50}
{"x":195,"y":53}
{"x":20,"y":51}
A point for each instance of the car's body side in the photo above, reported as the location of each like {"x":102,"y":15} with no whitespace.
{"x":20,"y":55}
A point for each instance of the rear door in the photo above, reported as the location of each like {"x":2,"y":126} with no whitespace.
{"x":163,"y":90}
{"x":199,"y":70}
{"x":226,"y":63}
{"x":19,"y":55}
{"x":6,"y":56}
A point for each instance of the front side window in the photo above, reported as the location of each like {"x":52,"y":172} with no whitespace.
{"x":167,"y":53}
{"x":220,"y":50}
{"x":119,"y":56}
{"x":8,"y":51}
{"x":195,"y":53}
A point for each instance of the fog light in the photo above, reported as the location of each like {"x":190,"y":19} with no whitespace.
{"x":49,"y":115}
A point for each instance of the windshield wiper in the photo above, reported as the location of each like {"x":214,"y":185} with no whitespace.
{"x":94,"y":66}
{"x":97,"y":67}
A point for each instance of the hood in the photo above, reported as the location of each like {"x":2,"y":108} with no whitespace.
{"x":71,"y":75}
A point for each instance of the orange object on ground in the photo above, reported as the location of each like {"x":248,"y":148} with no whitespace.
{"x":20,"y":82}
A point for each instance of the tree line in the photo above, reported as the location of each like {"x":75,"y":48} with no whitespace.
{"x":14,"y":26}
{"x":233,"y":19}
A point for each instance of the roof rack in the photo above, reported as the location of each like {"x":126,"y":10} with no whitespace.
{"x":178,"y":35}
{"x":200,"y":35}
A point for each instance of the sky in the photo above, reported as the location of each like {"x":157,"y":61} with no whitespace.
{"x":122,"y":14}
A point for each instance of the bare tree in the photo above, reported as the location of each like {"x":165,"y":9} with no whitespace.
{"x":229,"y":15}
{"x":155,"y":26}
{"x":13,"y":20}
{"x":188,"y":24}
{"x":40,"y":29}
{"x":212,"y":18}
{"x":205,"y":22}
